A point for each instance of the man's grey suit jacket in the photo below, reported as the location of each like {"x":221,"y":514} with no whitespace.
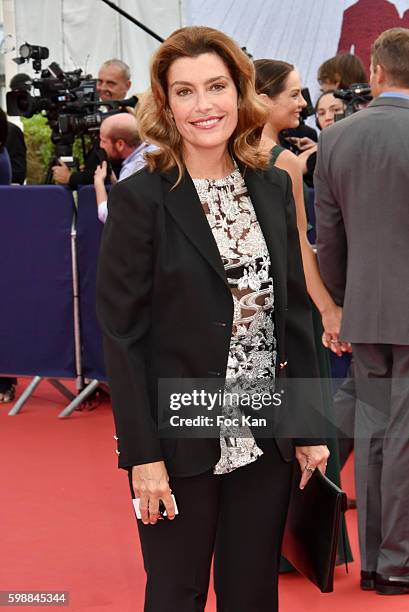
{"x":362,"y":214}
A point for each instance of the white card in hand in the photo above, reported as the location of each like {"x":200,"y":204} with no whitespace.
{"x":136,"y":502}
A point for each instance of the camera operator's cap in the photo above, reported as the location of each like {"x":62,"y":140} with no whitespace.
{"x":21,"y":81}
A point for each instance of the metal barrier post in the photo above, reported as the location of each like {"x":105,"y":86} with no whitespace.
{"x":25,"y":395}
{"x":79,"y":399}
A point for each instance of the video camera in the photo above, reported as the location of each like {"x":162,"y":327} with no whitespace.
{"x":355,"y":98}
{"x":68,"y":100}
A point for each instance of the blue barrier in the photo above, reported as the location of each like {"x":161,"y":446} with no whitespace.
{"x":89,"y":230}
{"x":36,"y":282}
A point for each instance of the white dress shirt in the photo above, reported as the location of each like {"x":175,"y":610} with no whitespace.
{"x":134,"y":162}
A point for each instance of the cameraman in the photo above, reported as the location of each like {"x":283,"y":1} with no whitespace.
{"x":120,"y":140}
{"x":114,"y":80}
{"x":113,"y":83}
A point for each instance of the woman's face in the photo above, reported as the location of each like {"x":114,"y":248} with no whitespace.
{"x":287,"y":106}
{"x":327,"y":108}
{"x":203,"y":100}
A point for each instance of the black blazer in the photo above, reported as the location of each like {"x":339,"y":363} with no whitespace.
{"x":166,"y":310}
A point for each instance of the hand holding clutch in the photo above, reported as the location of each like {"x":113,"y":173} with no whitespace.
{"x":310,"y":458}
{"x":311,"y":534}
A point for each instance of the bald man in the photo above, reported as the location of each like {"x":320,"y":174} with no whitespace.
{"x":119,"y":138}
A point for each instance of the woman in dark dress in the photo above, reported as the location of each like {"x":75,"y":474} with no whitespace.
{"x":279,"y":86}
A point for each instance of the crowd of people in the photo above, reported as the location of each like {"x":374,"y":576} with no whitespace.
{"x":206,"y":272}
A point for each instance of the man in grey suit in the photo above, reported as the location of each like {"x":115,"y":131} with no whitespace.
{"x":362,"y":214}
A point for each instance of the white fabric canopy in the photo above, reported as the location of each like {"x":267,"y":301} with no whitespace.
{"x":84,"y":33}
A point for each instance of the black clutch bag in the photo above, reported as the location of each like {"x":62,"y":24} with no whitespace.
{"x":312,"y":529}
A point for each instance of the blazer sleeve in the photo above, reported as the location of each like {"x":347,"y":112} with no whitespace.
{"x":331,"y":238}
{"x":124,"y":284}
{"x":306,"y":409}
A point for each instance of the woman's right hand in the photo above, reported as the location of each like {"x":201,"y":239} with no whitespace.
{"x":151,"y":484}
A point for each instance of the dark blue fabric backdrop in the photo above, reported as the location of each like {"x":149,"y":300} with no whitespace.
{"x":36,"y":305}
{"x":89,"y":230}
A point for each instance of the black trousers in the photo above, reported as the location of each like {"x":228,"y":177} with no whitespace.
{"x":240,"y":518}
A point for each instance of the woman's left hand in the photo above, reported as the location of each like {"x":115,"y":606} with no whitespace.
{"x":310,"y":458}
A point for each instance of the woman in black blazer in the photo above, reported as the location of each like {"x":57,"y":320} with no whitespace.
{"x":200,"y":277}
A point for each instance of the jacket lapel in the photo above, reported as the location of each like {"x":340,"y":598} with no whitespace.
{"x":186,"y":209}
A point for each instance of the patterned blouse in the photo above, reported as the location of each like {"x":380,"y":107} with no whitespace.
{"x":252,"y":353}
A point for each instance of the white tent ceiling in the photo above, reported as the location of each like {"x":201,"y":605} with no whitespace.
{"x":84,"y":33}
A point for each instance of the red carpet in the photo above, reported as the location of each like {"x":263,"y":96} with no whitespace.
{"x":66,"y":520}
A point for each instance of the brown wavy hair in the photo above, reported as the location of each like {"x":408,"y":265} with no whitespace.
{"x":155,"y":122}
{"x":271,"y":76}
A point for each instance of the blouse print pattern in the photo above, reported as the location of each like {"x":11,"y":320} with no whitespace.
{"x":252,"y":352}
